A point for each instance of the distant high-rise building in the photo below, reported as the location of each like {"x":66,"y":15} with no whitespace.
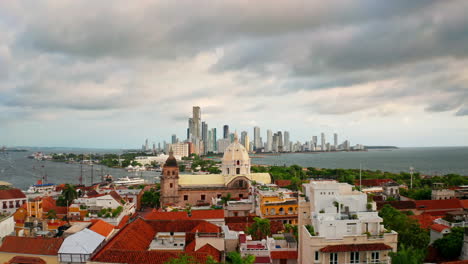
{"x":335,"y":141}
{"x":247,"y":143}
{"x":223,"y":144}
{"x":213,"y":134}
{"x":323,"y":141}
{"x":190,"y":129}
{"x":314,"y":140}
{"x":196,"y":122}
{"x":269,"y":141}
{"x":231,"y":137}
{"x":243,"y":135}
{"x":204,"y":136}
{"x":225,"y":131}
{"x":274,"y":146}
{"x":154,"y":148}
{"x":174,"y":139}
{"x":257,"y":140}
{"x":286,"y":145}
{"x":280,"y":141}
{"x":146,"y":145}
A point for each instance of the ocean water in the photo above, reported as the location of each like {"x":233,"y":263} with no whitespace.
{"x":17,"y":169}
{"x":428,"y":161}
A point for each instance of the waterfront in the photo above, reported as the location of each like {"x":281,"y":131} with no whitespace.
{"x":22,"y":172}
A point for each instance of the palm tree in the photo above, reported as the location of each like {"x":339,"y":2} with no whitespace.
{"x":226,"y":199}
{"x":69,"y":193}
{"x":260,"y":228}
{"x":236,"y":258}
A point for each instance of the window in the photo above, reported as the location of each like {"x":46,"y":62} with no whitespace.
{"x":333,"y":258}
{"x":272,"y":211}
{"x":317,"y":254}
{"x":375,"y":257}
{"x":241,"y":195}
{"x":203,"y":197}
{"x":227,"y":170}
{"x":238,"y":162}
{"x":355,"y":257}
{"x":290,"y":210}
{"x":170,"y":185}
{"x":237,"y":170}
{"x":236,"y":214}
{"x":185,"y":197}
{"x":218,"y":195}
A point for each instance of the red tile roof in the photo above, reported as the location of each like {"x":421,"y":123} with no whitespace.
{"x":123,"y":222}
{"x":400,"y":205}
{"x":284,"y":254}
{"x":182,"y":215}
{"x":373,"y":182}
{"x":424,"y":220}
{"x":49,"y":203}
{"x":439,"y":228}
{"x":26,"y":260}
{"x":283,"y":183}
{"x":147,"y":257}
{"x":11,"y":194}
{"x":356,"y":247}
{"x":438,"y":204}
{"x":464,"y":203}
{"x":116,"y":196}
{"x":210,"y":250}
{"x":135,"y":238}
{"x":262,"y":260}
{"x":31,"y":245}
{"x":101,"y":227}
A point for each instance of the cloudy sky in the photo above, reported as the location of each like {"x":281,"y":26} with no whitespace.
{"x":112,"y":73}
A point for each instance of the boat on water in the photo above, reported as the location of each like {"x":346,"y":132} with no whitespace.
{"x":129,"y":181}
{"x":41,"y":188}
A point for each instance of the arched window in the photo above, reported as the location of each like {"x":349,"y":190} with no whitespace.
{"x":272,"y":211}
{"x":238,"y":162}
{"x":290,"y":210}
{"x":281,"y":211}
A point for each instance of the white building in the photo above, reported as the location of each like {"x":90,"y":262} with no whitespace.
{"x":7,"y":226}
{"x":180,"y":149}
{"x":78,"y":247}
{"x":11,"y":200}
{"x":338,"y":225}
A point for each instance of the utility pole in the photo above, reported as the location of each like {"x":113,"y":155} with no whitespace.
{"x":411,"y":173}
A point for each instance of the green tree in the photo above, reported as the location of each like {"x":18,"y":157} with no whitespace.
{"x":451,"y":244}
{"x":188,"y":259}
{"x":407,"y":255}
{"x":296,"y":184}
{"x":260,"y":228}
{"x":236,"y":258}
{"x":226,"y":199}
{"x":151,"y":198}
{"x":52,"y":214}
{"x":409,"y":231}
{"x":67,"y":196}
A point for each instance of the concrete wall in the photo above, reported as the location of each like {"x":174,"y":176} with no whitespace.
{"x":7,"y":226}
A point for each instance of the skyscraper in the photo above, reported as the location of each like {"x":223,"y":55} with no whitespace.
{"x":215,"y":144}
{"x":204,"y":136}
{"x":196,"y":122}
{"x":274,"y":145}
{"x":247,"y":143}
{"x":225,"y":131}
{"x":335,"y":140}
{"x":269,"y":141}
{"x":323,"y":141}
{"x":314,"y":140}
{"x":173,"y":139}
{"x":286,"y":144}
{"x":280,"y":141}
{"x":257,"y":141}
{"x":190,"y":129}
{"x":243,"y":135}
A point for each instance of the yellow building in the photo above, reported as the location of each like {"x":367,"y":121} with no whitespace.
{"x":278,"y":205}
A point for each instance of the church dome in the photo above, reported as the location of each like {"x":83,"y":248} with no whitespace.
{"x":171,"y":161}
{"x":236,"y":159}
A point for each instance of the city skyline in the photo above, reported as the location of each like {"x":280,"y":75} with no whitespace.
{"x":96,"y":74}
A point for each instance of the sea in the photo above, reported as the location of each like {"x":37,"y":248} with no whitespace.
{"x":22,"y":172}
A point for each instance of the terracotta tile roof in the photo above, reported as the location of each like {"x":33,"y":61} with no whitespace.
{"x":356,"y":247}
{"x":135,"y":238}
{"x":262,"y":260}
{"x":101,"y":227}
{"x":464,"y":203}
{"x":11,"y":194}
{"x":116,"y":196}
{"x":438,"y":204}
{"x":373,"y":182}
{"x":123,"y":222}
{"x":31,"y":245}
{"x":26,"y":260}
{"x":211,"y":251}
{"x":182,"y":215}
{"x":439,"y":228}
{"x":242,"y":238}
{"x":424,"y":220}
{"x":147,"y":257}
{"x":284,"y":254}
{"x":48,"y":203}
{"x":283,"y":183}
{"x":400,"y":205}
